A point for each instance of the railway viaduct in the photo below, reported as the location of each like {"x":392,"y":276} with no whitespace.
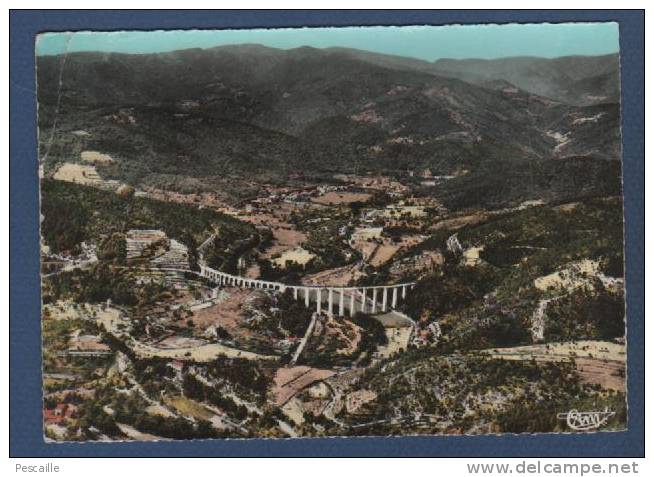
{"x":333,"y":299}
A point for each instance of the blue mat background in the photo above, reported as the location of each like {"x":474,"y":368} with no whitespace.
{"x":26,"y":438}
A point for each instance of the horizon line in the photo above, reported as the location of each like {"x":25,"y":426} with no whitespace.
{"x":426,"y":43}
{"x":324,"y":48}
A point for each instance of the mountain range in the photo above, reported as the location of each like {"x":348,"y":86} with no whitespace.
{"x":255,"y":109}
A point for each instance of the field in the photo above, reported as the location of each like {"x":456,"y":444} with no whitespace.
{"x":598,"y":362}
{"x":136,"y":435}
{"x":576,"y":275}
{"x":201,"y":354}
{"x":80,"y":174}
{"x":297,"y":255}
{"x":341,"y":198}
{"x":340,"y":276}
{"x":290,"y":381}
{"x":189,"y":407}
{"x":94,"y":157}
{"x":225,"y":313}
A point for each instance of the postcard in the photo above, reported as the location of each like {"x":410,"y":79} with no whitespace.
{"x":331,"y":232}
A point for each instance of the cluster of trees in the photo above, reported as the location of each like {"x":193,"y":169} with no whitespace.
{"x":491,"y":304}
{"x":293,"y":315}
{"x":291,"y":273}
{"x":152,"y":369}
{"x":130,"y":409}
{"x":91,"y":414}
{"x":372,"y":335}
{"x":324,"y":241}
{"x":586,"y":314}
{"x":478,"y":329}
{"x":531,"y":417}
{"x":229,"y":245}
{"x":529,"y":394}
{"x":177,"y":427}
{"x":173,"y":182}
{"x":99,"y":214}
{"x":195,"y":389}
{"x":113,"y":248}
{"x":242,"y":373}
{"x":100,"y":283}
{"x":322,"y":351}
{"x":62,"y":230}
{"x":56,"y":333}
{"x":503,"y":181}
{"x":283,"y":316}
{"x":450,"y":288}
{"x":551,"y":237}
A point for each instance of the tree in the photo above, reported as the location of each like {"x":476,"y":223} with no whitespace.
{"x":193,"y":388}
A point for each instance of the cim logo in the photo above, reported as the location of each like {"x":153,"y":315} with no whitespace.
{"x":586,"y":421}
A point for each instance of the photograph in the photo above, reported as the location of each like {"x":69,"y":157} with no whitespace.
{"x":331,"y":232}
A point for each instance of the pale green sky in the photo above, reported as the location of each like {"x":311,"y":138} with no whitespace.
{"x":424,"y":42}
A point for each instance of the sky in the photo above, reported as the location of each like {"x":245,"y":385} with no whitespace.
{"x":423,"y":42}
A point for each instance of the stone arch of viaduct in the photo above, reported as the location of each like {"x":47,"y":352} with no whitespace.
{"x":335,"y":300}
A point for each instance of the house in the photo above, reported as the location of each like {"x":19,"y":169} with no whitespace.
{"x":60,"y":414}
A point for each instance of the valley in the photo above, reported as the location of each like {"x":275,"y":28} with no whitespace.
{"x":310,"y":243}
